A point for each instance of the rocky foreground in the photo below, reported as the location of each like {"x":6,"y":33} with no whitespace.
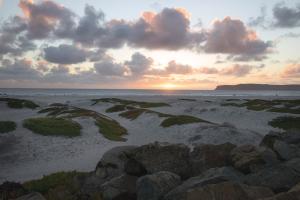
{"x":162,"y":171}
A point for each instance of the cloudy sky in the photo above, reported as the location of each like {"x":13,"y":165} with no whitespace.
{"x":166,"y":44}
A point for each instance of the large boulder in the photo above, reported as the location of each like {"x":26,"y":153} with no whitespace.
{"x":248,"y":158}
{"x":158,"y":157}
{"x":211,"y":176}
{"x":286,"y":151}
{"x":122,"y":187}
{"x":208,"y":156}
{"x":155,"y":186}
{"x":113,"y":162}
{"x":32,"y":196}
{"x":293,"y":194}
{"x":11,"y":190}
{"x":286,"y":145}
{"x":279,"y":178}
{"x":228,"y":191}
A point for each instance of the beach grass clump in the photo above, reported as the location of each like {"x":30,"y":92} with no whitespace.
{"x":108,"y":127}
{"x":286,"y":123}
{"x":111,"y":129}
{"x":279,"y":106}
{"x":140,"y":104}
{"x":116,"y":108}
{"x":50,"y":126}
{"x":135,"y":113}
{"x":180,"y":120}
{"x":7,"y":126}
{"x":67,"y":180}
{"x":19,"y":103}
{"x":185,"y":99}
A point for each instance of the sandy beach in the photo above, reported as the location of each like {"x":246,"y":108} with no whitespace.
{"x":25,"y":155}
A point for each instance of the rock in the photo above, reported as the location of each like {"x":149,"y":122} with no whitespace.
{"x":11,"y":190}
{"x":270,"y":138}
{"x":295,"y":188}
{"x":248,"y":158}
{"x":279,"y":178}
{"x":134,"y":168}
{"x":91,"y":184}
{"x":285,"y":196}
{"x":155,"y":186}
{"x":113,"y":161}
{"x":208,"y":156}
{"x":158,"y":157}
{"x":211,"y":176}
{"x":228,"y":191}
{"x":292,"y":137}
{"x":121,"y":187}
{"x":292,"y":194}
{"x":284,"y":150}
{"x":32,"y":196}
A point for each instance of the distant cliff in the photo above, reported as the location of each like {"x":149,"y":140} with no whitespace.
{"x":258,"y":87}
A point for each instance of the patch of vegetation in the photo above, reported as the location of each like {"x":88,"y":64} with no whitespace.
{"x":286,"y":123}
{"x":53,"y":126}
{"x":116,"y":108}
{"x":7,"y":126}
{"x":130,"y":102}
{"x":170,"y":120}
{"x":19,"y":103}
{"x":232,"y":104}
{"x":181,"y":119}
{"x":188,"y":99}
{"x":67,"y":180}
{"x":280,"y":106}
{"x":108,"y":127}
{"x":135,"y":113}
{"x":232,"y":100}
{"x":111,"y":129}
{"x":132,"y":114}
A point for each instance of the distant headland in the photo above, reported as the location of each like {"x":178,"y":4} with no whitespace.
{"x":257,"y":87}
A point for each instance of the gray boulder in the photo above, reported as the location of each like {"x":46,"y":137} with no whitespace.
{"x":228,"y":191}
{"x":279,"y":178}
{"x":285,"y":151}
{"x":122,"y":187}
{"x":208,"y":156}
{"x":211,"y":176}
{"x":248,"y":158}
{"x":158,"y":157}
{"x":32,"y":196}
{"x":155,"y":186}
{"x":113,"y":161}
{"x":12,"y":190}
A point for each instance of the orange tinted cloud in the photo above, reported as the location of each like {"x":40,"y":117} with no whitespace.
{"x":292,"y":70}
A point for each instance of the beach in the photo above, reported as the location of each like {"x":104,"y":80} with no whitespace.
{"x":25,"y":155}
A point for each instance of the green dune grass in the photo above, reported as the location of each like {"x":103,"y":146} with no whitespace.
{"x":51,"y":126}
{"x":7,"y":126}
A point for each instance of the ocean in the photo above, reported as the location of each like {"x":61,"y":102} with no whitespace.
{"x":138,"y":92}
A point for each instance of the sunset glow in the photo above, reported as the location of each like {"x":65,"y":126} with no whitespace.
{"x":180,"y":45}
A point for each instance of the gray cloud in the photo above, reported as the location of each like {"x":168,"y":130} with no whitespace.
{"x":43,"y":18}
{"x":65,"y":54}
{"x":139,"y":64}
{"x":231,"y":36}
{"x":176,"y":68}
{"x":286,"y":17}
{"x":12,"y":41}
{"x":237,"y":70}
{"x":18,"y":70}
{"x":260,"y":20}
{"x":110,"y":68}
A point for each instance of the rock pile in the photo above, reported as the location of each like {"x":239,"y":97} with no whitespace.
{"x":162,"y":171}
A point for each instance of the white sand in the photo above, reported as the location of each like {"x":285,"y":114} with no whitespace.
{"x":25,"y":155}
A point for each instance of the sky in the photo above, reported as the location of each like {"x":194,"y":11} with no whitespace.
{"x":148,"y":44}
